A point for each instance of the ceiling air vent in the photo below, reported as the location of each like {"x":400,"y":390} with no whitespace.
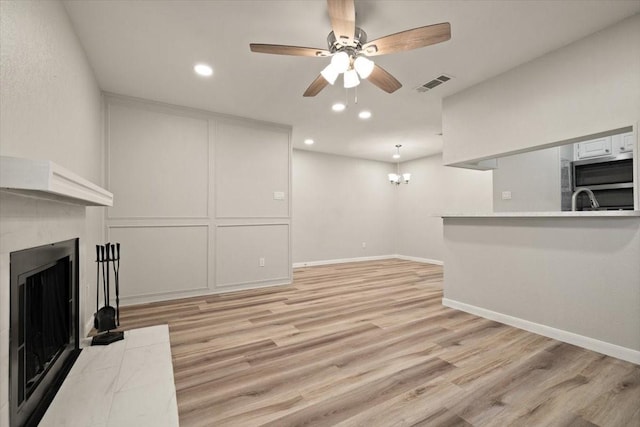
{"x":434,"y":83}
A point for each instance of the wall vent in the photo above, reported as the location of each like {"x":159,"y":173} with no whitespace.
{"x":443,"y":78}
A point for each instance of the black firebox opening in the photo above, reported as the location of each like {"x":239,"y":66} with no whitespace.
{"x":44,"y":325}
{"x":47,"y":318}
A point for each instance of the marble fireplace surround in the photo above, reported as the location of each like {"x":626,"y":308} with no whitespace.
{"x":40,"y":203}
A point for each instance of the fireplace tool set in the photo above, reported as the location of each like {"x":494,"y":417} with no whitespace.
{"x":107,"y":318}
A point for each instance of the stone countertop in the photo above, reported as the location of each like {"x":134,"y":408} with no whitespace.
{"x":580,"y":214}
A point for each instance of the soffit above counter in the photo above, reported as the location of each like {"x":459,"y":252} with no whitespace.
{"x":45,"y":179}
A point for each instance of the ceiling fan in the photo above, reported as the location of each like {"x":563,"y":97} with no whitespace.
{"x":350,"y":51}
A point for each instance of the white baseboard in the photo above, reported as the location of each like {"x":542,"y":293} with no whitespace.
{"x":203,"y":292}
{"x":603,"y":347}
{"x":366,"y":258}
{"x":418,"y":259}
{"x":341,"y":260}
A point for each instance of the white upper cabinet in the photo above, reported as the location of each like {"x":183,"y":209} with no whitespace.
{"x":624,"y":143}
{"x":607,"y":146}
{"x":594,"y":148}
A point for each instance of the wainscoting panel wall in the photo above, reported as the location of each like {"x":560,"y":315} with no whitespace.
{"x":158,"y":163}
{"x":251,"y":254}
{"x":252,"y":165}
{"x":199,"y":199}
{"x":161,"y":260}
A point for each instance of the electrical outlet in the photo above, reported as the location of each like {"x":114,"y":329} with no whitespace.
{"x":364,"y":245}
{"x":261,"y":262}
{"x":506,"y":195}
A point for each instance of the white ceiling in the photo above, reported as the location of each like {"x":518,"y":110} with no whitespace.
{"x":147,"y":49}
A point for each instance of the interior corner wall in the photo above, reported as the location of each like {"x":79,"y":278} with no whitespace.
{"x":339,"y":203}
{"x":584,"y":88}
{"x":50,"y":109}
{"x":433,"y":191}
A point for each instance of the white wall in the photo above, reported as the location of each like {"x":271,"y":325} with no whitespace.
{"x":339,"y":203}
{"x":575,"y":278}
{"x":532,"y":178}
{"x":194,"y":207}
{"x":586,"y":87}
{"x":434,"y":190}
{"x":49,"y":109}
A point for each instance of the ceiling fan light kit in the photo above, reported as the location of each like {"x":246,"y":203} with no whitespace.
{"x":363,"y":66}
{"x":330,"y":74}
{"x":340,"y":62}
{"x":348,"y":48}
{"x":351,"y":79}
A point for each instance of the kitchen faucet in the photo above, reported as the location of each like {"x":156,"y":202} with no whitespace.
{"x":592,"y":198}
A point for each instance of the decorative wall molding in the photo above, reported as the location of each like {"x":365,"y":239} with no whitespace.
{"x":603,"y":347}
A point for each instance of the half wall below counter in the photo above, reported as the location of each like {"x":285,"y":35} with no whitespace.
{"x":573,"y":277}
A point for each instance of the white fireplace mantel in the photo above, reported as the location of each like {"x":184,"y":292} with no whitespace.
{"x":47,"y":180}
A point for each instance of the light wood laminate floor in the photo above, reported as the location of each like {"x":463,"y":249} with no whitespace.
{"x":369,"y":344}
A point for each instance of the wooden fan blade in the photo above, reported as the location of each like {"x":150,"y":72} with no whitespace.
{"x":316,"y":86}
{"x":343,"y":18}
{"x":278,"y":49}
{"x":408,"y":40}
{"x":385,"y":81}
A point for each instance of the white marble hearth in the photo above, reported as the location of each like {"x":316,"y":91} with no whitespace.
{"x":127,"y":383}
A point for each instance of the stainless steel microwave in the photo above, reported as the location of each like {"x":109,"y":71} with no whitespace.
{"x":610,"y":178}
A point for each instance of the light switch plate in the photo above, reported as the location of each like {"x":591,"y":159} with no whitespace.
{"x":278,"y":195}
{"x":506,"y":195}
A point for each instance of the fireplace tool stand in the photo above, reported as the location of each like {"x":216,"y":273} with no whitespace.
{"x":107,"y":318}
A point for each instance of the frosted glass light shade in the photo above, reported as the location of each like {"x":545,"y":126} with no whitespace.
{"x":351,"y":79}
{"x":330,"y":74}
{"x":363,"y":66}
{"x":406,"y":177}
{"x":393,"y":178}
{"x":340,"y":62}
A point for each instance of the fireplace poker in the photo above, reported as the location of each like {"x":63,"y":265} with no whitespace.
{"x":107,"y":246}
{"x":95,"y":318}
{"x":116,"y":272}
{"x":104,"y":280}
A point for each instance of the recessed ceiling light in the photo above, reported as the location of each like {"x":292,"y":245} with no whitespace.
{"x":338,"y":106}
{"x":203,"y":70}
{"x":365,"y":115}
{"x":309,"y":141}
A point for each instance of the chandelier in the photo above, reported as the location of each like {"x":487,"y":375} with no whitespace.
{"x":397,"y":178}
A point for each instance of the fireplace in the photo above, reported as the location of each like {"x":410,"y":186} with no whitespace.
{"x":44,"y":327}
